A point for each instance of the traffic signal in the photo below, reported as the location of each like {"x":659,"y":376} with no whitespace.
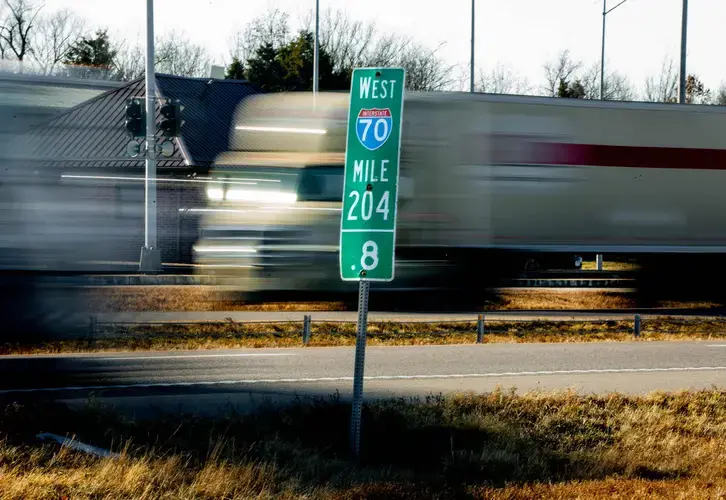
{"x":171,"y":122}
{"x":135,"y":117}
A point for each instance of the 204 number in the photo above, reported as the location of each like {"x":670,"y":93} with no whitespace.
{"x":366,"y":205}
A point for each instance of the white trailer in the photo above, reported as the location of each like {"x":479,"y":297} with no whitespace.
{"x":480,"y":173}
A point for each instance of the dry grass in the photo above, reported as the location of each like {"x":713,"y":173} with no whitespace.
{"x":228,"y":335}
{"x":495,"y":445}
{"x":192,"y":298}
{"x":591,"y":265}
{"x":186,"y":298}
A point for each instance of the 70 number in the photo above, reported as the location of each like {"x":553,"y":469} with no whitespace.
{"x":367,"y":205}
{"x":379,"y":132}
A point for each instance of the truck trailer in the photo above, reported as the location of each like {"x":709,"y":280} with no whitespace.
{"x":488,"y":184}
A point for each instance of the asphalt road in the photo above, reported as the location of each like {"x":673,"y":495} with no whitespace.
{"x":209,"y":381}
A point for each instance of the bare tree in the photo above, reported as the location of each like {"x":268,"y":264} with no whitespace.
{"x":17,"y":27}
{"x":617,"y":86}
{"x":54,"y":35}
{"x":174,"y":54}
{"x":353,"y":43}
{"x":129,"y":61}
{"x":562,"y":68}
{"x":663,"y":88}
{"x":349,"y":43}
{"x":697,"y":92}
{"x":425,"y":70}
{"x":177,"y":55}
{"x":720,"y":97}
{"x":272,"y":27}
{"x":502,"y":80}
{"x":388,"y":50}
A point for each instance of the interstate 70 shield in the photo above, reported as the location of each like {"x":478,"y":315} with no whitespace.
{"x":373,"y":127}
{"x":370,"y":185}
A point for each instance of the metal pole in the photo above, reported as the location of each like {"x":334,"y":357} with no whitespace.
{"x":307,"y":319}
{"x":684,"y":30}
{"x":178,"y":224}
{"x":602,"y":54}
{"x":317,"y":47}
{"x":637,"y":326}
{"x":471,"y":64}
{"x":360,"y":355}
{"x":480,"y":329}
{"x":598,"y":261}
{"x":150,"y":260}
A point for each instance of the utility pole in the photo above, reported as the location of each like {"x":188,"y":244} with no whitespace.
{"x":150,"y":257}
{"x":316,"y":52}
{"x":602,"y":53}
{"x":471,"y":75}
{"x":684,"y":30}
{"x":605,"y":12}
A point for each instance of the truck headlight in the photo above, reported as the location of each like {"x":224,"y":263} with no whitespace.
{"x":275,"y":197}
{"x":216,"y":194}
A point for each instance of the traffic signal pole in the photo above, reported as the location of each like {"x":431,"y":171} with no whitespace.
{"x":150,"y":257}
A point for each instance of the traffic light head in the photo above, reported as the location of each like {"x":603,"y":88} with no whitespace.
{"x":171,"y":122}
{"x":135,"y":123}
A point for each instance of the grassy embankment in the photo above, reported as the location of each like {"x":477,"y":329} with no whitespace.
{"x":181,"y":298}
{"x":257,"y":335}
{"x":231,"y":335}
{"x":496,"y":446}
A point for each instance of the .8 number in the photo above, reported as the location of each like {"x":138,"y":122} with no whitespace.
{"x":370,"y":251}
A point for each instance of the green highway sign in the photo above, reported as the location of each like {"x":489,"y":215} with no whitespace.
{"x":370,"y":192}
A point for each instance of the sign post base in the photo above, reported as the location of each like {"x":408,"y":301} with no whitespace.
{"x":360,"y":355}
{"x":150,"y":261}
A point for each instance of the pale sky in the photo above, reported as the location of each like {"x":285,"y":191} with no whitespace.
{"x":521,"y":34}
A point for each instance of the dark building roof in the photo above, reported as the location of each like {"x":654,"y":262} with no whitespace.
{"x":92,"y":134}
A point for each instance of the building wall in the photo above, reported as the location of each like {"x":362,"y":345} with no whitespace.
{"x":177,"y":227}
{"x":92,"y":223}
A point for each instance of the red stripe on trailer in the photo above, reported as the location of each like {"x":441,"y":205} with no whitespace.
{"x":513,"y":149}
{"x":630,"y":156}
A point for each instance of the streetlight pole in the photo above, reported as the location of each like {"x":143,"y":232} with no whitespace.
{"x":150,"y":257}
{"x":471,"y":65}
{"x":684,"y":30}
{"x":605,"y":12}
{"x":317,"y":48}
{"x":602,"y":53}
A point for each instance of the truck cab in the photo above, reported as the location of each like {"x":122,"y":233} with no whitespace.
{"x":272,"y":218}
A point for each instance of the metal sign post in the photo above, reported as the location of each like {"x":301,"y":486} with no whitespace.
{"x":360,"y":360}
{"x":150,"y":260}
{"x":370,"y":199}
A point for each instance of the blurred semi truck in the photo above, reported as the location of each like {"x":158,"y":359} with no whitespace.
{"x":489,"y":184}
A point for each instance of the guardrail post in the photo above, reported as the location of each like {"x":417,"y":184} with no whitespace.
{"x":480,"y":329}
{"x":636,"y":329}
{"x":307,"y":319}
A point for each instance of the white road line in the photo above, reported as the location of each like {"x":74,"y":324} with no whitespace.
{"x":194,"y":356}
{"x":371,"y":378}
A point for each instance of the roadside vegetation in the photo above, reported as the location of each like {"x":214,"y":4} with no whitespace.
{"x":497,"y":445}
{"x":220,"y":335}
{"x":201,"y":298}
{"x":607,"y":265}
